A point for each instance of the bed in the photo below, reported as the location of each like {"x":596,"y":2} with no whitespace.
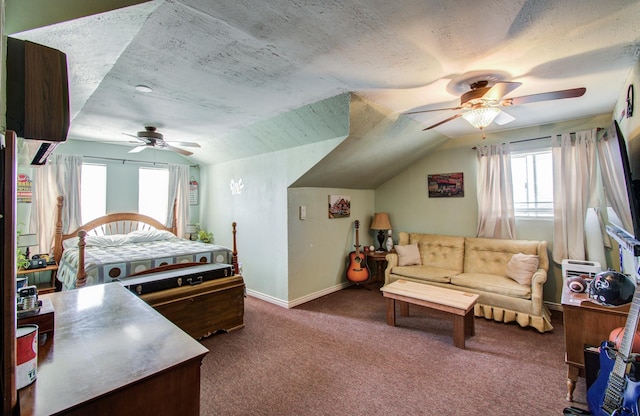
{"x":122,"y":245}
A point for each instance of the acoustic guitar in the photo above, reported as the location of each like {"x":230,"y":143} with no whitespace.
{"x":357,"y":267}
{"x":614,"y":392}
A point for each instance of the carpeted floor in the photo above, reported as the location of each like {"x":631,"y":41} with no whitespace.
{"x":337,"y":356}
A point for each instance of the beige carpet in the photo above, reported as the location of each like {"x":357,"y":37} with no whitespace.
{"x":336,"y":356}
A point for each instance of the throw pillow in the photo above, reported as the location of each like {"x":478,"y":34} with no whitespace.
{"x":521,"y":267}
{"x":408,"y":255}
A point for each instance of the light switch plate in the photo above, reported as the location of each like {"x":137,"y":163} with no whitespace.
{"x":303,"y":212}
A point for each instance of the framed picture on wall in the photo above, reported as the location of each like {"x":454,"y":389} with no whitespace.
{"x":339,"y":206}
{"x":444,"y":185}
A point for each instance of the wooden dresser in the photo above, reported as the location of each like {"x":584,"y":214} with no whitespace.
{"x":112,"y":354}
{"x":585,"y":323}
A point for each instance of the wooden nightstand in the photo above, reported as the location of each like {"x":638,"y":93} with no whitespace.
{"x":380,"y":260}
{"x":44,"y":288}
{"x":45,"y":319}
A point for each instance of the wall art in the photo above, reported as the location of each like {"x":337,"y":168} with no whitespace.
{"x":443,"y":185}
{"x":339,"y":206}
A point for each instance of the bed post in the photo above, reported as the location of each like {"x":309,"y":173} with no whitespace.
{"x":57,"y":238}
{"x":234,"y":257}
{"x":174,"y":223}
{"x":81,"y":276}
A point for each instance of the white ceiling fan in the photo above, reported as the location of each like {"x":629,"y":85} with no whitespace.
{"x":482,"y":103}
{"x":151,"y":138}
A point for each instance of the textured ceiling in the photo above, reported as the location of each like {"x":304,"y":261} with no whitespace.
{"x":220,"y":69}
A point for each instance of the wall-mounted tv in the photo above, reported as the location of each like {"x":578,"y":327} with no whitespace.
{"x":631,"y":185}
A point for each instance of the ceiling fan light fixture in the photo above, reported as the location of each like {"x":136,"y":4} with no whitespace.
{"x":481,"y":117}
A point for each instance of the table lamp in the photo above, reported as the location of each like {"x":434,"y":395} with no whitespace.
{"x":381,"y":223}
{"x":27,"y":240}
{"x":191,"y":231}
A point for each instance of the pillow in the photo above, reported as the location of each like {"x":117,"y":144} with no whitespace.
{"x":521,"y":267}
{"x":408,"y":255}
{"x":144,"y":236}
{"x":97,"y":241}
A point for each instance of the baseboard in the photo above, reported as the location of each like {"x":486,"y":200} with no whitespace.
{"x":554,"y":306}
{"x":293,"y":303}
{"x":299,"y":301}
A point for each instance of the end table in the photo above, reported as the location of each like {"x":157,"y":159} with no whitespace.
{"x":44,"y":318}
{"x":380,"y":259}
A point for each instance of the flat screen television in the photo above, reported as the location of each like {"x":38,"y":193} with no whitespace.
{"x":632,"y":184}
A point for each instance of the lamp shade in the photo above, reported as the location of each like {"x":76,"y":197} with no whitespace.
{"x":380,"y":221}
{"x":192,"y":228}
{"x":27,"y":240}
{"x":481,"y":117}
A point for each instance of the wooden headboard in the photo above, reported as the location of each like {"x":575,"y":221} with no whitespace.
{"x":118,"y":223}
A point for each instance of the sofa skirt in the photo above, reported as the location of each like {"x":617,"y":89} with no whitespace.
{"x":541,"y":323}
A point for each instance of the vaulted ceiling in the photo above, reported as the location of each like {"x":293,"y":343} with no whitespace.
{"x":221,"y":70}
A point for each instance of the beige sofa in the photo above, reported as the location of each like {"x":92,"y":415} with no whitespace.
{"x":482,"y":266}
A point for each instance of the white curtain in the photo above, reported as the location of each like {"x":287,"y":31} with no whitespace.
{"x":496,"y":213}
{"x":613,"y":177}
{"x":178,"y":193}
{"x":60,"y":176}
{"x":574,"y":181}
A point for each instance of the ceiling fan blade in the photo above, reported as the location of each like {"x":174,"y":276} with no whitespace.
{"x":177,"y":150}
{"x":545,"y":96}
{"x":499,"y":90}
{"x":138,"y":149}
{"x":503,"y":118}
{"x":444,"y":121}
{"x":436,"y":109}
{"x":183,"y":144}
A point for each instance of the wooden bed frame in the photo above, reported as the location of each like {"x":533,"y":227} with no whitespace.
{"x":118,"y":223}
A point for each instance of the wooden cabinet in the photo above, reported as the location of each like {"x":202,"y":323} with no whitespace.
{"x":112,"y":354}
{"x":203,"y":309}
{"x":585,"y":323}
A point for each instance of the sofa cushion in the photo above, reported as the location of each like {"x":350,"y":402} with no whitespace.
{"x":521,"y":267}
{"x":490,"y":256}
{"x":408,"y":255}
{"x":426,"y":273}
{"x":442,"y":251}
{"x":501,"y":285}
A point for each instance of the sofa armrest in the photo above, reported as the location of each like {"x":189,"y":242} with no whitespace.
{"x":537,"y":290}
{"x":392,"y":261}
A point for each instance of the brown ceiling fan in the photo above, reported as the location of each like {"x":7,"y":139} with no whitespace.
{"x":151,"y":138}
{"x":481,"y":104}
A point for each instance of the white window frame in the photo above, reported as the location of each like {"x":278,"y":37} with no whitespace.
{"x":532,"y":208}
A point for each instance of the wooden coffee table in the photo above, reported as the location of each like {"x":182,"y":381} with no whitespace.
{"x":453,"y":302}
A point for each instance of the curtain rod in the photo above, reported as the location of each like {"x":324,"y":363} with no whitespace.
{"x":536,"y":138}
{"x":131,"y":161}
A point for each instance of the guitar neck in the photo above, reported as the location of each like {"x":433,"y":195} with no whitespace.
{"x":624,"y":352}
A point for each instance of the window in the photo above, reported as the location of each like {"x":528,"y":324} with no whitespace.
{"x":532,"y":176}
{"x":153,"y":192}
{"x":93,"y":191}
